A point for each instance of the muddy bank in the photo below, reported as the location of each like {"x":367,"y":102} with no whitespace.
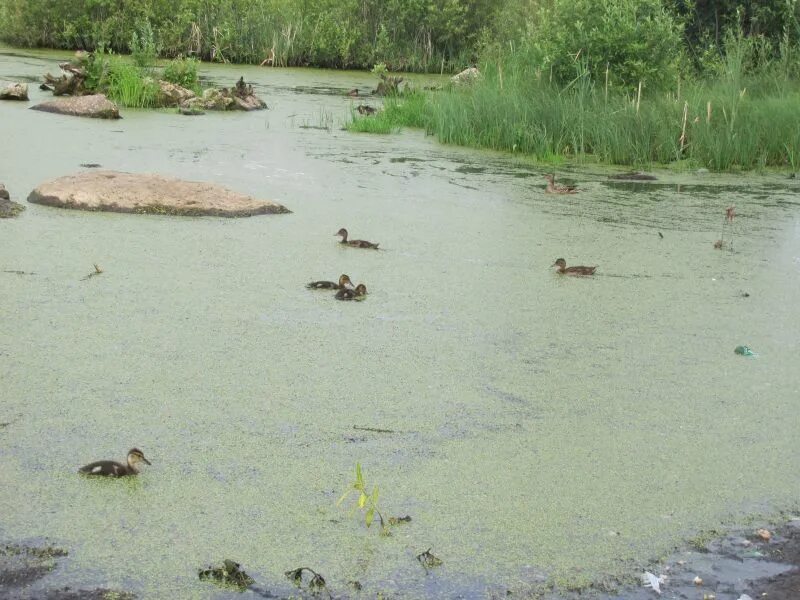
{"x":23,"y":567}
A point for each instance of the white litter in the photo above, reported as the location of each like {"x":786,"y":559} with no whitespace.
{"x":652,"y":581}
{"x":745,"y":597}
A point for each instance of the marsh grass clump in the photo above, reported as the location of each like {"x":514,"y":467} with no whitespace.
{"x":316,"y":582}
{"x":405,"y":110}
{"x":230,"y":573}
{"x":183,"y":72}
{"x":128,"y":87}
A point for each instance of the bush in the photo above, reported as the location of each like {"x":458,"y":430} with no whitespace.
{"x":637,"y":40}
{"x":182,"y":72}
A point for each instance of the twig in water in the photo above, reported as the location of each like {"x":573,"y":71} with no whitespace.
{"x":373,"y":429}
{"x":97,"y":271}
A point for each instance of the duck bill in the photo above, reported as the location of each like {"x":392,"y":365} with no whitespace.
{"x":146,"y":461}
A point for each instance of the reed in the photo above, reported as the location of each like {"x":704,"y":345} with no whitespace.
{"x":580,"y":121}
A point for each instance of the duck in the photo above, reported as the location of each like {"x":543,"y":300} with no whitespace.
{"x":355,"y":243}
{"x":352,"y":294}
{"x":563,"y":269}
{"x":557,"y":188}
{"x":344,"y":282}
{"x":110,"y":468}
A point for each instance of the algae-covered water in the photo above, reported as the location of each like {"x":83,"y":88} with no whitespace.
{"x":543,"y":427}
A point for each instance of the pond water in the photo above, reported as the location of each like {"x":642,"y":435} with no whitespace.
{"x":543,"y":427}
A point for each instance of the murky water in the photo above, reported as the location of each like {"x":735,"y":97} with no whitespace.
{"x":545,"y":427}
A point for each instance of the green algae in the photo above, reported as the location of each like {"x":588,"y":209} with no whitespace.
{"x":546,"y":431}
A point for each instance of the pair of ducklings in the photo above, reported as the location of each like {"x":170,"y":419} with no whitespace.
{"x":111,"y":468}
{"x":344,"y":287}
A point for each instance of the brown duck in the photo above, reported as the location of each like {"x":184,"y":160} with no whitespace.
{"x":352,"y":294}
{"x":110,"y":468}
{"x":557,"y":188}
{"x":355,"y":243}
{"x":344,"y":282}
{"x":561,"y":267}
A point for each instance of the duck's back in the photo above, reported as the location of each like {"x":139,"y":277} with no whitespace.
{"x":105,"y":468}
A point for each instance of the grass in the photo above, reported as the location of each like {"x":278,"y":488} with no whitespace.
{"x":732,"y":121}
{"x":128,"y":87}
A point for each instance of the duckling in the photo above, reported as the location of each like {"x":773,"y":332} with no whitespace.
{"x":352,"y":294}
{"x":344,"y":282}
{"x":110,"y":468}
{"x":556,"y":188}
{"x":355,"y":243}
{"x":562,"y":268}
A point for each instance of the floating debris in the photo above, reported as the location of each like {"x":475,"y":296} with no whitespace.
{"x":697,"y":581}
{"x":653,"y":582}
{"x":97,"y":271}
{"x":428,"y":560}
{"x":398,"y":520}
{"x":744,"y":351}
{"x":229,"y":573}
{"x":373,"y":429}
{"x":316,"y":584}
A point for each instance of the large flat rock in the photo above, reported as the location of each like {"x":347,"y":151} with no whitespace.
{"x":96,"y":106}
{"x":142,"y":193}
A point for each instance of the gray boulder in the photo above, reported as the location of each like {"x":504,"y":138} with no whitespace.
{"x":96,"y":106}
{"x":13,"y":91}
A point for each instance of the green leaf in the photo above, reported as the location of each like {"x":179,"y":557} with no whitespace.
{"x":375,"y":495}
{"x":370,"y":515}
{"x":362,"y":500}
{"x":359,"y":477}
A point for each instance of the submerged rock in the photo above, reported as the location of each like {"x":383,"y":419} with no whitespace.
{"x":96,"y":106}
{"x":143,"y":193}
{"x":13,"y":91}
{"x":7,"y":207}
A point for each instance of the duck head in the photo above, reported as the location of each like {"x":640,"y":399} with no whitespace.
{"x":342,"y":232}
{"x":344,"y":281}
{"x":136,"y":456}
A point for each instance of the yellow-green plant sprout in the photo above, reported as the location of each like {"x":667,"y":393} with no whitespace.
{"x":367,"y":501}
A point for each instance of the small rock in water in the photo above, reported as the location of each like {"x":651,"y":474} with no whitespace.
{"x":697,"y":581}
{"x":744,"y":351}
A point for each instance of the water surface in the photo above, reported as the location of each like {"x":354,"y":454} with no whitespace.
{"x":545,"y":427}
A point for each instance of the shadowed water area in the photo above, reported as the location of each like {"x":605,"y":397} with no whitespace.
{"x":544,"y":427}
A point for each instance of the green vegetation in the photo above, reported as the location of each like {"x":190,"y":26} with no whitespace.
{"x":629,"y":82}
{"x":631,"y":97}
{"x":405,"y":34}
{"x":367,"y":501}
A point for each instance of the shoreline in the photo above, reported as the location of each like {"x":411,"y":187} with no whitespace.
{"x":753,"y":562}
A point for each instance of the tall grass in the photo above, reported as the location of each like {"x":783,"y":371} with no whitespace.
{"x":127,"y":86}
{"x":735,"y":120}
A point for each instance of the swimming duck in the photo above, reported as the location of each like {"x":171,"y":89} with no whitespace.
{"x":110,"y":468}
{"x":355,"y":243}
{"x":344,"y":282}
{"x":352,"y":294}
{"x":562,"y":268}
{"x":557,"y":188}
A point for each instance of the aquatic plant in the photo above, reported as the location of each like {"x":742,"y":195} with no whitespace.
{"x":367,"y":501}
{"x":316,"y":583}
{"x":127,"y":86}
{"x":230,"y":573}
{"x":182,"y":71}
